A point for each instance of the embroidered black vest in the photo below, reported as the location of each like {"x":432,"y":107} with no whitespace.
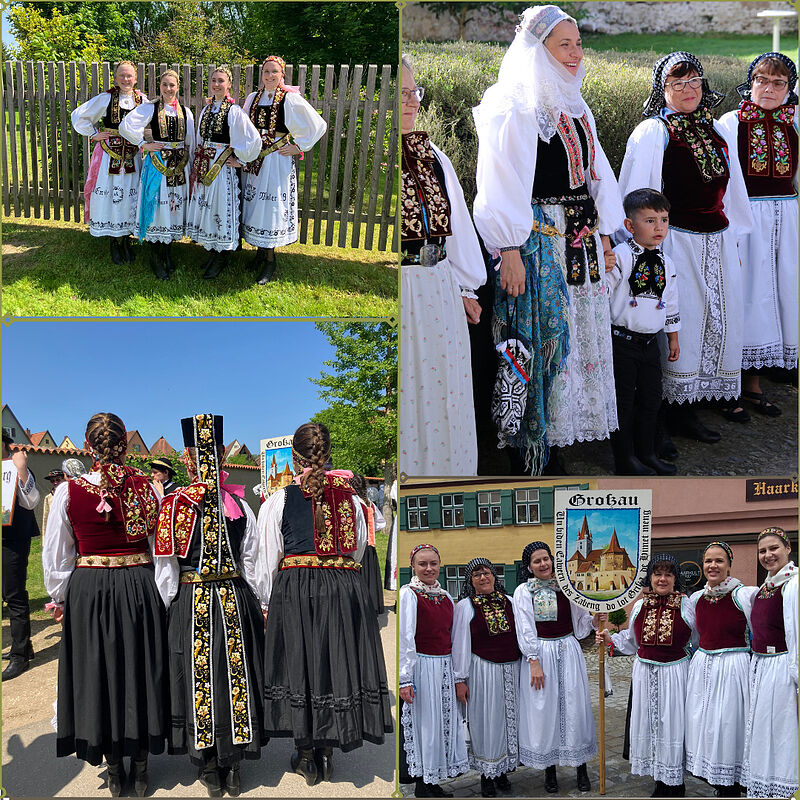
{"x":236,"y":531}
{"x":215,"y":127}
{"x":261,"y":115}
{"x":297,"y":524}
{"x":171,"y":133}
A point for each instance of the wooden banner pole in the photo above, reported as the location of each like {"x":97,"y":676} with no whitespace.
{"x":601,"y":674}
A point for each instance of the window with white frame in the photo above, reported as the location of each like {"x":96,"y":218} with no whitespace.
{"x":454,"y":577}
{"x":490,"y":512}
{"x":417,"y":510}
{"x":526,"y":506}
{"x":452,"y":510}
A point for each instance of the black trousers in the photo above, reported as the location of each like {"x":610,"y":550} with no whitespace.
{"x":637,"y":379}
{"x":15,"y":594}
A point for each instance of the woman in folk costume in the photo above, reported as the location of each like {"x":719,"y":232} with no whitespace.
{"x":661,"y":626}
{"x":370,"y":569}
{"x":486,"y":664}
{"x":680,"y":150}
{"x":225,"y":140}
{"x":547,"y":201}
{"x":289,"y":126}
{"x":763,"y":133}
{"x":111,"y":191}
{"x":113,"y":690}
{"x":556,"y":723}
{"x":433,"y":736}
{"x":164,"y":190}
{"x":770,"y":749}
{"x":206,"y":544}
{"x":325,"y":676}
{"x":441,"y":267}
{"x":717,"y":690}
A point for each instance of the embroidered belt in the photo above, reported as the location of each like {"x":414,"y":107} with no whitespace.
{"x":271,"y":148}
{"x":314,"y":561}
{"x":549,"y":230}
{"x":633,"y":336}
{"x":173,"y":169}
{"x":209,"y":175}
{"x":558,"y":201}
{"x":254,"y":166}
{"x":120,"y":151}
{"x":190,"y":576}
{"x":130,"y":560}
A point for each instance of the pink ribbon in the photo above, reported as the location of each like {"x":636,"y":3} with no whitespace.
{"x":103,"y":506}
{"x":232,"y":510}
{"x":584,"y":231}
{"x":91,"y":179}
{"x":291,"y":89}
{"x":342,"y":473}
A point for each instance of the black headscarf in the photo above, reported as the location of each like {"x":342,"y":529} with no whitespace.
{"x":523,"y":573}
{"x":745,"y":88}
{"x":665,"y":558}
{"x":467,"y":589}
{"x":656,"y":101}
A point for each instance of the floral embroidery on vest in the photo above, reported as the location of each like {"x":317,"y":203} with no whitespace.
{"x":695,"y":130}
{"x":568,"y":134}
{"x":493,"y":608}
{"x":659,"y":622}
{"x":426,"y":209}
{"x":780,"y":148}
{"x":768,"y":144}
{"x":213,"y":121}
{"x":436,"y":598}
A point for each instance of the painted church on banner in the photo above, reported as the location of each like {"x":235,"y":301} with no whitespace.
{"x":602,"y":569}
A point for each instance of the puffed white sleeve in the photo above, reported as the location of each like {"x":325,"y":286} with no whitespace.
{"x":361,"y":533}
{"x":167,"y":574}
{"x":270,"y":542}
{"x":86,"y":116}
{"x":58,"y":548}
{"x":625,"y":640}
{"x":671,"y":297}
{"x":191,"y":131}
{"x":134,"y":122}
{"x":304,"y":123}
{"x":735,"y":201}
{"x":582,"y":624}
{"x":688,"y":614}
{"x":506,"y":164}
{"x":790,"y":625}
{"x":527,"y":636}
{"x":380,"y":520}
{"x":249,"y":557}
{"x":605,"y":189}
{"x":621,"y":268}
{"x":248,"y":103}
{"x":28,"y":493}
{"x":407,"y":653}
{"x":462,"y":639}
{"x":743,"y":597}
{"x":644,"y":157}
{"x":245,"y":138}
{"x":463,"y":251}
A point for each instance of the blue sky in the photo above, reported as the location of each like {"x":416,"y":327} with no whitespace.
{"x":57,"y":373}
{"x":601,"y":524}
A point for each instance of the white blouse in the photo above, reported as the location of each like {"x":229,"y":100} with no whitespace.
{"x":86,"y":116}
{"x":133,"y":125}
{"x":244,"y":136}
{"x":462,"y":638}
{"x":302,"y":121}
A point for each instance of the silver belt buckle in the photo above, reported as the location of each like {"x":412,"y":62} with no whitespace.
{"x":429,"y":255}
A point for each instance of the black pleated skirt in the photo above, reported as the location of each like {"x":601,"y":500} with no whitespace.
{"x":371,"y":572}
{"x":113,"y":686}
{"x":325,"y":676}
{"x":182,"y":730}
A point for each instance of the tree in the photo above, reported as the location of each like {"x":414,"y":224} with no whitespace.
{"x":174,"y":458}
{"x":617,"y":618}
{"x":52,"y":37}
{"x":362,"y":393}
{"x":241,"y":458}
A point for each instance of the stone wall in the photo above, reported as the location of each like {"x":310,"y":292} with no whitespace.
{"x":420,"y":23}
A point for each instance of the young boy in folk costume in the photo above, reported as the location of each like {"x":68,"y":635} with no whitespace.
{"x":206,"y":536}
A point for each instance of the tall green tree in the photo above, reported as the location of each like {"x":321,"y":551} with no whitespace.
{"x":361,"y":391}
{"x":174,"y":458}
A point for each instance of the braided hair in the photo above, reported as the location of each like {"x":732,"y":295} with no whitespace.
{"x":359,"y":484}
{"x":311,"y":444}
{"x":106,"y":434}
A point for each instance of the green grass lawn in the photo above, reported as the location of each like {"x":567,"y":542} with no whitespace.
{"x":57,"y":269}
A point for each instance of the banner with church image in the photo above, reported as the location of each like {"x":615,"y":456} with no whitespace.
{"x":602,"y":545}
{"x":276,"y":464}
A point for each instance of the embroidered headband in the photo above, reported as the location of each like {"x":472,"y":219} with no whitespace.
{"x":423,"y":547}
{"x":779,"y":532}
{"x":726,"y":547}
{"x":657,"y":101}
{"x":539,"y":21}
{"x":745,"y":88}
{"x":226,"y":69}
{"x":278,"y":60}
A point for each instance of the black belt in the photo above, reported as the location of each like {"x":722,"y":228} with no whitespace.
{"x":644,"y":339}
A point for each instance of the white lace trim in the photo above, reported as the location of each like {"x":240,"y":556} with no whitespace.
{"x":775,"y":787}
{"x":716,"y":774}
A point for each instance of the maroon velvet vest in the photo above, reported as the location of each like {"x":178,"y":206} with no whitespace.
{"x":696,"y":203}
{"x":721,"y":624}
{"x":434,"y":624}
{"x":660,"y":629}
{"x":563,"y":624}
{"x":93,"y":534}
{"x":494,"y":637}
{"x":767,"y":150}
{"x":767,"y":620}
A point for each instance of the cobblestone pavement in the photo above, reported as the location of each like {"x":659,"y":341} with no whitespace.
{"x":527,"y":782}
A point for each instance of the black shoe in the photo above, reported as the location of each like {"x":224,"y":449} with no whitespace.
{"x":584,"y":784}
{"x":763,"y":406}
{"x":323,"y":758}
{"x":677,"y":791}
{"x":29,"y":653}
{"x":16,"y":666}
{"x":660,"y":790}
{"x":117,"y":253}
{"x":140,"y":777}
{"x":216,"y":264}
{"x":632,"y":466}
{"x":167,"y":253}
{"x":437,"y":791}
{"x":550,"y":780}
{"x":267,"y":272}
{"x":734,"y":412}
{"x":661,"y":467}
{"x":116,"y":777}
{"x":302,"y":762}
{"x":157,"y":261}
{"x":232,"y":783}
{"x":666,"y":449}
{"x":421,"y":789}
{"x":502,"y":782}
{"x":487,"y":787}
{"x":694,"y":429}
{"x":127,"y":250}
{"x":209,"y":777}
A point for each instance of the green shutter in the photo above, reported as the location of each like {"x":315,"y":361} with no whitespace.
{"x":510,"y":578}
{"x":546,"y":504}
{"x":403,"y":576}
{"x":507,"y":506}
{"x":471,"y":510}
{"x":401,"y":510}
{"x":434,"y":511}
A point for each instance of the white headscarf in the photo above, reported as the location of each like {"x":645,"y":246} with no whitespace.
{"x":531,"y":80}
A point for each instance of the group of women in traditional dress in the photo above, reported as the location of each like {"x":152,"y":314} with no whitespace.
{"x":547,"y":205}
{"x":268,"y":630}
{"x":179,"y":179}
{"x":714,"y":683}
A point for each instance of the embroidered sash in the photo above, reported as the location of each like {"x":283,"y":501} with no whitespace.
{"x":258,"y":116}
{"x":338,"y":511}
{"x":171,"y":164}
{"x":424,"y":202}
{"x":568,"y":134}
{"x":207,"y":164}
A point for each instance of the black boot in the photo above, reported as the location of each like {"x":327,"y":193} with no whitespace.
{"x":684,"y":420}
{"x":644,"y":442}
{"x":140,"y":775}
{"x":215,"y":264}
{"x":268,"y":266}
{"x":502,"y":782}
{"x":550,"y":780}
{"x":116,"y":776}
{"x":437,"y":791}
{"x":303,"y":763}
{"x":584,"y":784}
{"x":677,"y":791}
{"x":157,"y":261}
{"x":665,"y":447}
{"x":660,"y":790}
{"x":421,"y":789}
{"x":232,"y":782}
{"x":166,"y":250}
{"x":487,"y":787}
{"x":209,"y":776}
{"x":323,"y":758}
{"x":625,"y":462}
{"x":127,"y":249}
{"x":117,"y":254}
{"x":16,"y":666}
